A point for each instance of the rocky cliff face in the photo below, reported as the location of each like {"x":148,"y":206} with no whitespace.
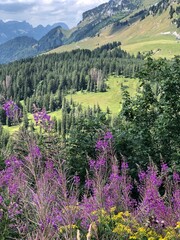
{"x":111,"y":8}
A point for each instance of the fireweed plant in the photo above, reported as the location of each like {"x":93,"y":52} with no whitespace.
{"x":39,"y":201}
{"x":43,"y":120}
{"x":12,"y":110}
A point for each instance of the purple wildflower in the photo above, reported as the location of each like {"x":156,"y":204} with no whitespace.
{"x":49,"y":165}
{"x":88,"y":183}
{"x":176,"y":177}
{"x":114,"y":177}
{"x":43,"y":119}
{"x":176,"y":202}
{"x":92,"y":163}
{"x":13,"y":188}
{"x":142,"y":176}
{"x":76,"y":179}
{"x":124,"y":166}
{"x":8,"y":162}
{"x":11,"y":109}
{"x":100,"y":163}
{"x":97,"y":164}
{"x":13,"y":161}
{"x":35,"y":152}
{"x":13,"y":210}
{"x":164,"y":167}
{"x":100,"y":145}
{"x":108,"y":136}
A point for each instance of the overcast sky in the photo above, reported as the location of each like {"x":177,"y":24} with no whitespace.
{"x":46,"y":11}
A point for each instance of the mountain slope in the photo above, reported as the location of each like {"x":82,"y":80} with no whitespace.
{"x":108,"y":13}
{"x":20,"y":47}
{"x":101,"y":16}
{"x":53,"y":39}
{"x":140,"y":25}
{"x":154,"y":31}
{"x":13,"y":29}
{"x":23,"y":47}
{"x":111,"y":8}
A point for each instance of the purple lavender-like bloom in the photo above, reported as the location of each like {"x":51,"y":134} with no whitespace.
{"x":13,"y":210}
{"x":43,"y":119}
{"x":176,"y":202}
{"x":76,"y":179}
{"x":124,"y":166}
{"x":50,"y":165}
{"x":35,"y":152}
{"x":8,"y":162}
{"x":154,"y":204}
{"x":176,"y":177}
{"x":13,"y":161}
{"x":11,"y":109}
{"x":101,"y":144}
{"x":164,"y":167}
{"x":108,"y":136}
{"x":142,"y":176}
{"x":100,"y":163}
{"x":155,"y":180}
{"x":92,"y":163}
{"x":13,"y":188}
{"x":153,"y":177}
{"x":88,"y":183}
{"x":114,"y":177}
{"x":97,"y":164}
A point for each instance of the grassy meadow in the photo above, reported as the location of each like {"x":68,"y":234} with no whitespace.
{"x":112,"y":98}
{"x":154,"y":33}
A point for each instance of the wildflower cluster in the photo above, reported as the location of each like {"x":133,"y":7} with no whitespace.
{"x":42,"y":119}
{"x":39,"y":200}
{"x":124,"y":225}
{"x":11,"y":109}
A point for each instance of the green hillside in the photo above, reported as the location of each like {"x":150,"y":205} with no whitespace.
{"x":111,"y":99}
{"x":154,"y":33}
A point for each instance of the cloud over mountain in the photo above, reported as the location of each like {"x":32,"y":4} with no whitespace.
{"x":46,"y":11}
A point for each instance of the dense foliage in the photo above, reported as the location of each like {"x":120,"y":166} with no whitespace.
{"x":46,"y":79}
{"x":40,"y":200}
{"x":149,"y":124}
{"x":89,"y":176}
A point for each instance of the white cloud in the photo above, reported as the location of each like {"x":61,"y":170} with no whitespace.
{"x":46,"y":11}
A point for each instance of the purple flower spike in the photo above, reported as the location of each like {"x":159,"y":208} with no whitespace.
{"x":35,"y":152}
{"x":43,"y":119}
{"x":176,"y":177}
{"x":124,"y":165}
{"x":76,"y":179}
{"x":101,"y":145}
{"x":108,"y":135}
{"x":89,"y":183}
{"x":164,"y":167}
{"x":11,"y":109}
{"x":142,"y":176}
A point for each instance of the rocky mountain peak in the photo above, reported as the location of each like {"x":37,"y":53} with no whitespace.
{"x":110,"y":8}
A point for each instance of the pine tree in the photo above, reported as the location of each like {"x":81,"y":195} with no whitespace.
{"x":25,"y":117}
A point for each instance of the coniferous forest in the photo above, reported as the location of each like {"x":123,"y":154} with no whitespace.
{"x":89,"y":175}
{"x":35,"y":80}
